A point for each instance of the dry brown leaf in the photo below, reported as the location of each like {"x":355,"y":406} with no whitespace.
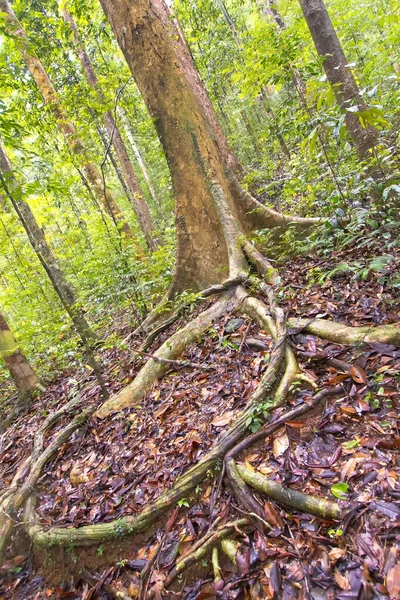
{"x":342,"y":580}
{"x":162,"y":409}
{"x":336,"y":553}
{"x":133,"y":590}
{"x":280,"y":445}
{"x":358,"y":374}
{"x":223,"y":419}
{"x":393,"y":582}
{"x":79,"y":474}
{"x":272,"y":515}
{"x":349,"y":467}
{"x":348,"y":410}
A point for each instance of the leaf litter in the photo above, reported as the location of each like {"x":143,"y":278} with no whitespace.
{"x":348,"y":450}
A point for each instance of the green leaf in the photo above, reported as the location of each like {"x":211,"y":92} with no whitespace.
{"x":351,"y":444}
{"x":340,"y":490}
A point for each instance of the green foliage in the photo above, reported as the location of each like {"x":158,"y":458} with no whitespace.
{"x":275,"y":85}
{"x":183,"y":502}
{"x":340,"y":490}
{"x":259,"y":414}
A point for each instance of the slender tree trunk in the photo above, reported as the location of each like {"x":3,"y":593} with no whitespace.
{"x":213,"y":212}
{"x":264,"y":95}
{"x":250,"y":131}
{"x":68,"y":129}
{"x":43,"y":251}
{"x":230,"y":23}
{"x":272,"y":10}
{"x":139,"y":158}
{"x":298,"y":82}
{"x":136,"y":195}
{"x":340,"y":77}
{"x":16,"y":362}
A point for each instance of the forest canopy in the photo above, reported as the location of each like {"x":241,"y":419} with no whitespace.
{"x":199,"y":298}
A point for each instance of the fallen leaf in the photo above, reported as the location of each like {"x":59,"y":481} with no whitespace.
{"x":336,"y":553}
{"x":358,"y":374}
{"x":393,"y":582}
{"x":223,"y":420}
{"x":280,"y":445}
{"x":342,"y":580}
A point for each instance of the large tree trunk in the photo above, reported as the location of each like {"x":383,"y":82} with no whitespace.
{"x":213,"y":212}
{"x":44,"y":252}
{"x":136,"y":195}
{"x":76,"y":145}
{"x":193,"y":77}
{"x":16,"y":362}
{"x":340,"y":77}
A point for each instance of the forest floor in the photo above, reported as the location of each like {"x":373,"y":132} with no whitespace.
{"x":350,"y":449}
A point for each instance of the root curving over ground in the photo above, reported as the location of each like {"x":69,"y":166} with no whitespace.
{"x":252,"y":295}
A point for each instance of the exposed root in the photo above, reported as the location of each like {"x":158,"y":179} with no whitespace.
{"x":345,"y":334}
{"x":242,"y":493}
{"x":218,"y":581}
{"x":6,"y":509}
{"x":257,"y":310}
{"x":319,"y":507}
{"x":290,"y":415}
{"x":101,"y":532}
{"x":207,"y":543}
{"x":37,"y":467}
{"x":34,"y":464}
{"x":170,"y":350}
{"x":164,"y":307}
{"x":175,"y":363}
{"x":271,"y":391}
{"x":260,"y":263}
{"x":230,"y":548}
{"x":129,"y":525}
{"x":239,"y":487}
{"x":262,"y":216}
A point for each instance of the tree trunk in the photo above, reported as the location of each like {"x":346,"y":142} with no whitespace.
{"x":16,"y":362}
{"x":67,"y":128}
{"x":198,"y":88}
{"x":272,"y":11}
{"x":139,"y":158}
{"x":340,"y":77}
{"x":264,"y":95}
{"x":213,"y":212}
{"x":136,"y":195}
{"x":44,"y":252}
{"x":230,"y":23}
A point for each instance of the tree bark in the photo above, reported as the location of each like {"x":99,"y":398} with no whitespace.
{"x":76,"y":145}
{"x":16,"y":362}
{"x":194,"y":79}
{"x":43,"y":251}
{"x":340,"y":77}
{"x":137,"y":198}
{"x":213,"y":212}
